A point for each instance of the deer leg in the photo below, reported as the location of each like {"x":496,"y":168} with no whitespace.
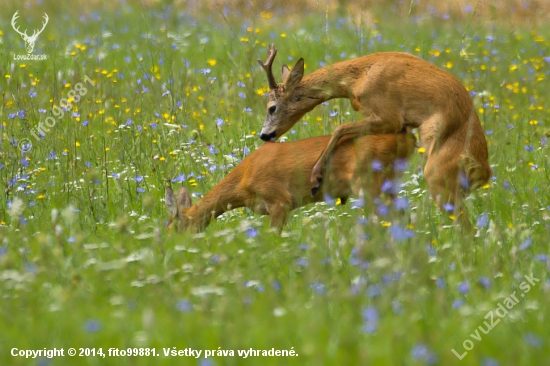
{"x":373,"y":125}
{"x":441,"y":174}
{"x":278,"y":214}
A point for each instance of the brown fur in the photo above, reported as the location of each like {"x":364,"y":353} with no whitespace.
{"x":274,"y":179}
{"x":394,"y":90}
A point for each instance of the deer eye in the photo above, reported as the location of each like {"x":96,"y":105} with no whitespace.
{"x":271,"y":109}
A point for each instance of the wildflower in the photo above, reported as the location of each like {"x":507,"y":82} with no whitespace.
{"x":400,"y":165}
{"x":318,"y":287}
{"x":242,"y":95}
{"x":252,"y":233}
{"x":488,"y":361}
{"x":440,"y":282}
{"x":302,"y":262}
{"x":92,"y":326}
{"x":138,"y":178}
{"x":449,"y":207}
{"x":370,"y":318}
{"x":458,"y":303}
{"x":482,"y":220}
{"x":532,"y":340}
{"x":464,"y":287}
{"x":333,"y":113}
{"x":329,"y":199}
{"x":485,"y":282}
{"x":401,"y":203}
{"x":219,"y":122}
{"x":376,"y":165}
{"x":526,"y":244}
{"x":420,"y":352}
{"x":180,"y":178}
{"x":400,"y":233}
{"x":32,"y":94}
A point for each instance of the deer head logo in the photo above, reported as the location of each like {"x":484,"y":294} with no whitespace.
{"x":29,"y":40}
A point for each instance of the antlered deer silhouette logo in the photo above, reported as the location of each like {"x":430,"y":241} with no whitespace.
{"x":29,"y":40}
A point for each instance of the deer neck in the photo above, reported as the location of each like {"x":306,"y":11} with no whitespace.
{"x":223,"y":197}
{"x":324,"y":84}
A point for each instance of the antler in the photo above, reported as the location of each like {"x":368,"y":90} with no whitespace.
{"x":13,"y":19}
{"x":43,"y":24}
{"x":271,"y":52}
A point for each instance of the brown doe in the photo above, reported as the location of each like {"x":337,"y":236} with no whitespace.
{"x":274,"y":179}
{"x":393,"y":90}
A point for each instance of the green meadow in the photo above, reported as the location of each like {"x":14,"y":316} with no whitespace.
{"x":133,"y":96}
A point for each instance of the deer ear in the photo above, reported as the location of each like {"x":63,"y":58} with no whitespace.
{"x":170,"y":201}
{"x":184,"y":199}
{"x":292,"y":78}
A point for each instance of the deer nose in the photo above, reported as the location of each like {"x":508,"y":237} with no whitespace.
{"x":268,"y":136}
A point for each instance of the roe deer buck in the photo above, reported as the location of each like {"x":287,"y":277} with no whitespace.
{"x":274,"y":179}
{"x":394,"y":90}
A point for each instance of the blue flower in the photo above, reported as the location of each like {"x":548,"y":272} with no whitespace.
{"x":488,"y":361}
{"x":318,"y":287}
{"x":449,"y":207}
{"x":482,"y":220}
{"x":92,"y":326}
{"x":532,"y":340}
{"x":464,"y":287}
{"x":302,"y":262}
{"x":458,"y":303}
{"x":376,"y":165}
{"x":420,"y":352}
{"x":333,"y":113}
{"x":138,"y":178}
{"x":180,"y":178}
{"x":370,"y":318}
{"x":401,"y":203}
{"x":184,"y":305}
{"x":252,"y":233}
{"x":485,"y":282}
{"x":525,"y":244}
{"x":219,"y":122}
{"x":400,"y":233}
{"x":329,"y":199}
{"x":32,"y":94}
{"x":242,"y":95}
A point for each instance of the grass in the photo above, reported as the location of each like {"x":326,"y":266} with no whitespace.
{"x":177,"y":94}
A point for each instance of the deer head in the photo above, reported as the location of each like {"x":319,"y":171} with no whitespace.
{"x":177,"y":205}
{"x":29,"y":40}
{"x":283,"y":106}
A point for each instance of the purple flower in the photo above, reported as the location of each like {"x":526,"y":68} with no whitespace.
{"x":420,"y":352}
{"x":526,"y":244}
{"x":318,"y":287}
{"x":252,"y":233}
{"x":329,"y":199}
{"x":532,"y":340}
{"x":485,"y":282}
{"x":464,"y":287}
{"x":449,"y":207}
{"x":458,"y":303}
{"x":488,"y":361}
{"x":138,"y":178}
{"x":302,"y":262}
{"x":400,"y":233}
{"x":219,"y":122}
{"x":400,"y":165}
{"x":401,"y":203}
{"x":482,"y":220}
{"x":92,"y":326}
{"x":377,"y":165}
{"x":370,"y":318}
{"x":180,"y":178}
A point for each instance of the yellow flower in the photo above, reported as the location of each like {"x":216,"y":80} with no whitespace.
{"x":421,"y":150}
{"x":211,"y":62}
